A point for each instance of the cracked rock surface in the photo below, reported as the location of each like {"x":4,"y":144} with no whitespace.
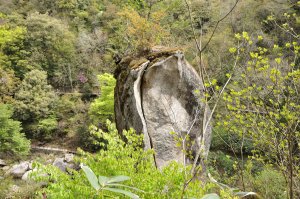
{"x":158,"y":95}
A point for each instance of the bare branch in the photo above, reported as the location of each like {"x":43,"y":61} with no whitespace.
{"x":212,"y":112}
{"x":216,"y":26}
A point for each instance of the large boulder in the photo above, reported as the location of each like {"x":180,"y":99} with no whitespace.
{"x":158,"y":94}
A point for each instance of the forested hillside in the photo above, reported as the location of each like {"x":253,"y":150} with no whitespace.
{"x":58,"y":64}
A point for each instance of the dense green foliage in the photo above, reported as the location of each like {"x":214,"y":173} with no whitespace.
{"x":102,"y":108}
{"x":263,"y":106}
{"x":35,"y":98}
{"x":12,"y":141}
{"x":124,"y":158}
{"x":34,"y":103}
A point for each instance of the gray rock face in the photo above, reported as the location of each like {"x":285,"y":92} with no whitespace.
{"x":61,"y":164}
{"x":64,"y":163}
{"x":18,"y":170}
{"x":26,"y":176}
{"x":69,"y":157}
{"x":159,"y":96}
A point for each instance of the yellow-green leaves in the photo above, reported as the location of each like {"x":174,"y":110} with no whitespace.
{"x":278,"y":60}
{"x":262,"y":102}
{"x":232,"y":50}
{"x":246,"y":36}
{"x":238,"y":36}
{"x":271,"y":18}
{"x":253,"y":55}
{"x":213,"y":82}
{"x":10,"y":35}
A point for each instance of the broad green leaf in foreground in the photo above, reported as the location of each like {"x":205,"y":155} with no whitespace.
{"x":122,"y":185}
{"x":118,"y":179}
{"x":211,"y":196}
{"x":103,"y":180}
{"x":126,"y":193}
{"x":91,"y":176}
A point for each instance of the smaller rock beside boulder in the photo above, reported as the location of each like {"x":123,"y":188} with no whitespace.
{"x":2,"y":163}
{"x":65,"y":162}
{"x":69,"y":157}
{"x":24,"y":169}
{"x":61,"y":164}
{"x":27,"y":176}
{"x":18,"y":170}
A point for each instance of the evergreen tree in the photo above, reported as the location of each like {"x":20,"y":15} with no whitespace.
{"x":11,"y":140}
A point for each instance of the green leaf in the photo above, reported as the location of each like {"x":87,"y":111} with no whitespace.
{"x":91,"y":176}
{"x":244,"y":194}
{"x":103,"y":180}
{"x":211,"y":196}
{"x":124,"y":192}
{"x":121,"y":185}
{"x":118,"y":179}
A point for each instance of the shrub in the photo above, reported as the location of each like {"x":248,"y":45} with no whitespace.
{"x":102,"y":108}
{"x":118,"y":157}
{"x":11,"y":138}
{"x":71,"y":113}
{"x":10,"y":188}
{"x":46,"y":127}
{"x":270,"y":184}
{"x":224,"y":163}
{"x":229,"y":141}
